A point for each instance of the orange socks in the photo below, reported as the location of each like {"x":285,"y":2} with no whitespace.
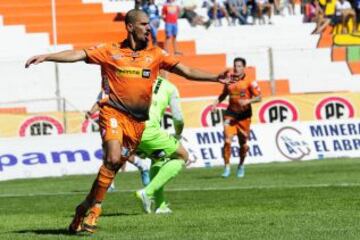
{"x":100,"y":185}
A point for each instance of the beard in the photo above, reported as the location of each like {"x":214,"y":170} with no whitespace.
{"x":141,"y":43}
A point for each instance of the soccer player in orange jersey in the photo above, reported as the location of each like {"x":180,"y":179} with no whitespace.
{"x":237,"y":117}
{"x":129,"y":69}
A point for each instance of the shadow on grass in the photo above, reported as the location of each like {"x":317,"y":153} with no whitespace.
{"x":210,"y":177}
{"x":119,"y":214}
{"x":59,"y":231}
{"x":114,"y":214}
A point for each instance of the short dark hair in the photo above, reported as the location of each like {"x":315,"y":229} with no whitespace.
{"x":239,"y":59}
{"x":131,"y":15}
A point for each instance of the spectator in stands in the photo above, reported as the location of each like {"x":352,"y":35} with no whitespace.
{"x":289,"y":4}
{"x":170,"y":14}
{"x":313,"y":12}
{"x":310,"y":11}
{"x":139,"y":3}
{"x":217,"y":11}
{"x":343,"y":14}
{"x":152,"y":11}
{"x":223,"y":9}
{"x":356,"y":7}
{"x":252,"y":9}
{"x":188,"y":12}
{"x":275,"y":4}
{"x":263,"y":7}
{"x":238,"y":10}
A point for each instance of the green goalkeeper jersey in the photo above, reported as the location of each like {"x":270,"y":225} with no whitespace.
{"x":164,"y":94}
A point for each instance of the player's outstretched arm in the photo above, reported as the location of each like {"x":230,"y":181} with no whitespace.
{"x":64,"y":56}
{"x":199,"y":75}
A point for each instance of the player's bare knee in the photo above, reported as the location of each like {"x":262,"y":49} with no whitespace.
{"x":112,"y":153}
{"x":113,"y":160}
{"x":113,"y":157}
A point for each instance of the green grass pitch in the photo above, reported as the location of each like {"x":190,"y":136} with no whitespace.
{"x":296,"y":200}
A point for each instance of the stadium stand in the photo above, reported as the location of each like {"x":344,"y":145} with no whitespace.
{"x":298,"y":61}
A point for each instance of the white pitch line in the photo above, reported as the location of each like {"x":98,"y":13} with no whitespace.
{"x":320,"y":185}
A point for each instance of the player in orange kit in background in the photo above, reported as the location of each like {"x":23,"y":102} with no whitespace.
{"x":237,"y":117}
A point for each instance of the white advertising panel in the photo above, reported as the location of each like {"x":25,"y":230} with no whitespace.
{"x":47,"y":156}
{"x":31,"y":157}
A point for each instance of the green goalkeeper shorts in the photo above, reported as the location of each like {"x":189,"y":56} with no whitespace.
{"x":157,"y":143}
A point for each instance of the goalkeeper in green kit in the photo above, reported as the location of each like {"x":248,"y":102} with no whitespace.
{"x":167,"y":154}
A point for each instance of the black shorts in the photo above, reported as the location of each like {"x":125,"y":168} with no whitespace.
{"x":335,"y":20}
{"x":357,"y":11}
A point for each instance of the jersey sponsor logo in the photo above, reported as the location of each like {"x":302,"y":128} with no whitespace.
{"x":291,"y":144}
{"x":133,"y":72}
{"x":40,"y":126}
{"x":91,"y":124}
{"x":146,"y":73}
{"x":334,"y":108}
{"x":276,"y":111}
{"x":213,"y":118}
{"x":129,"y":72}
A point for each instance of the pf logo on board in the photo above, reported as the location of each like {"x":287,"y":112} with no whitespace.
{"x":334,"y":108}
{"x":278,"y":111}
{"x":40,"y":126}
{"x":213,"y":118}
